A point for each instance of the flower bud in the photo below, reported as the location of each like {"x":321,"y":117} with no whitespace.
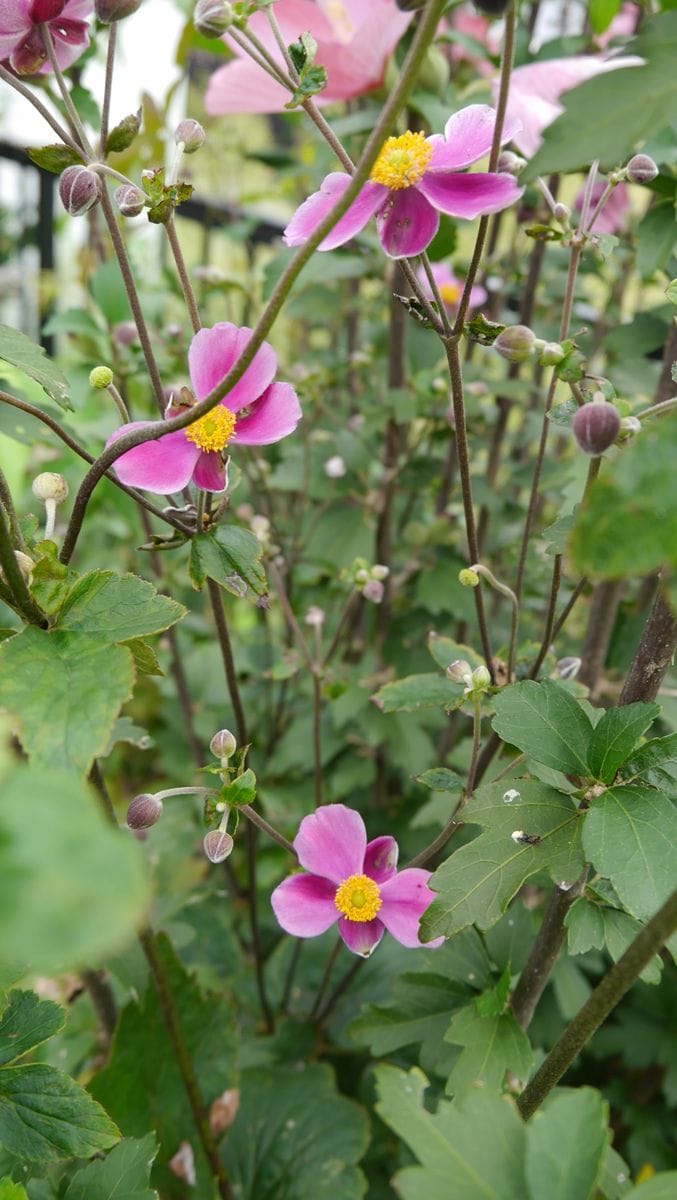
{"x":568,"y":668}
{"x":561,"y":212}
{"x":509,"y":163}
{"x":25,"y":565}
{"x":223,"y":744}
{"x":379,"y":571}
{"x":362,"y":575}
{"x":100,"y":377}
{"x":335,"y":468}
{"x":130,"y":200}
{"x":192,"y":135}
{"x":596,"y":426}
{"x":115,"y":10}
{"x":182,"y":1164}
{"x":79,"y":189}
{"x":373,"y":590}
{"x":125,"y":333}
{"x":468,"y":578}
{"x":629,"y":427}
{"x":145,"y":810}
{"x":641,"y":169}
{"x":516,"y":343}
{"x":551,"y":354}
{"x":460,"y":671}
{"x":314,"y":617}
{"x":50,"y":486}
{"x":223,"y":1111}
{"x":211,"y":18}
{"x":481,"y":679}
{"x":217,"y":845}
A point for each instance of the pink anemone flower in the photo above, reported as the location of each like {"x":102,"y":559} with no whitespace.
{"x":21,"y":41}
{"x":355,"y":39}
{"x":255,"y":412}
{"x":413,"y":180}
{"x":613,"y":215}
{"x":352,"y":882}
{"x":450,"y":287}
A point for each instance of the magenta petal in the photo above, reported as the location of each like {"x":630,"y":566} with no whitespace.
{"x":275,"y":415}
{"x":380,"y":859}
{"x":304,"y":905}
{"x":470,"y":196}
{"x":468,"y":136}
{"x":214,"y":351}
{"x":210,"y":472}
{"x":407,"y":223}
{"x":331,"y":842}
{"x":404,"y":900}
{"x":164,"y":465}
{"x":361,"y":937}
{"x":313,"y":211}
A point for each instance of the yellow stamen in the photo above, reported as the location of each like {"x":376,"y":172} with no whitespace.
{"x":450,"y":293}
{"x":358,"y":898}
{"x":214,"y":430}
{"x":402,"y":161}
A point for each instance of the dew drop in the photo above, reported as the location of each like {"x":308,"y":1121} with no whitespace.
{"x":510,"y":795}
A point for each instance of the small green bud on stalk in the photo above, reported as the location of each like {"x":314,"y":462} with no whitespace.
{"x":562,"y":213}
{"x":25,"y":565}
{"x":641,"y":169}
{"x":79,"y":190}
{"x":516,"y":343}
{"x":223,"y":744}
{"x":596,"y":426}
{"x":212,"y":18}
{"x":481,"y":679}
{"x":551,"y":354}
{"x":217,"y":845}
{"x":100,"y":377}
{"x":144,"y":810}
{"x":468,"y":578}
{"x":190,"y":135}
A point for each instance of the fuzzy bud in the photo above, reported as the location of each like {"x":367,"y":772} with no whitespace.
{"x":25,"y":565}
{"x":314,"y":617}
{"x":629,"y":427}
{"x":641,"y":169}
{"x":468,"y":578}
{"x":460,"y":671}
{"x":568,"y":668}
{"x":561,"y":212}
{"x":596,"y":426}
{"x":192,"y":135}
{"x":125,"y":333}
{"x":335,"y":468}
{"x":50,"y":486}
{"x":145,"y":810}
{"x":223,"y":744}
{"x":217,"y":845}
{"x":100,"y":377}
{"x":130,"y":200}
{"x":79,"y":189}
{"x":481,"y":679}
{"x":115,"y":10}
{"x":516,"y":343}
{"x":509,"y":163}
{"x":211,"y":18}
{"x":379,"y":571}
{"x":223,"y":1111}
{"x":373,"y":590}
{"x":551,"y":354}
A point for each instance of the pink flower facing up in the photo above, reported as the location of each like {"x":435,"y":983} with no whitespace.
{"x":21,"y":40}
{"x":355,"y":39}
{"x":413,"y":180}
{"x":450,"y":287}
{"x":255,"y":412}
{"x":351,"y":881}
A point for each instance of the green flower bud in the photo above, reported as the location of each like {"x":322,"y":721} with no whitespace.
{"x":100,"y":377}
{"x":516,"y":343}
{"x":468,"y":578}
{"x":50,"y":486}
{"x":551,"y":354}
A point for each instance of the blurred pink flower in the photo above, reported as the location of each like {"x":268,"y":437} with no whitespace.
{"x":624,"y":24}
{"x":21,"y":40}
{"x":355,"y":39}
{"x":450,"y":287}
{"x":352,"y":882}
{"x":612,"y":216}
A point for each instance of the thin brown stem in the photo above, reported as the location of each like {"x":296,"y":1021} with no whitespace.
{"x":27,"y":94}
{"x":223,"y":635}
{"x":326,"y":976}
{"x":108,"y":86}
{"x":8,"y":505}
{"x":545,"y":951}
{"x":184,"y":278}
{"x":265,"y":827}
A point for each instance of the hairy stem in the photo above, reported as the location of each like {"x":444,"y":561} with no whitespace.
{"x":545,"y":951}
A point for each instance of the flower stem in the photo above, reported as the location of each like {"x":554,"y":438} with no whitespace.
{"x":326,"y":976}
{"x":27,"y":94}
{"x":108,"y":86}
{"x":72,"y":112}
{"x":184,"y":278}
{"x":474,"y":753}
{"x":22,"y":599}
{"x":265,"y":827}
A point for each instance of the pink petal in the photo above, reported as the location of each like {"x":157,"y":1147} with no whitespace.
{"x":361,"y":937}
{"x":380,"y":859}
{"x":164,"y":465}
{"x":331,"y":842}
{"x":214,"y":351}
{"x":407,"y":223}
{"x":472,"y":195}
{"x":304,"y":905}
{"x":210,"y":472}
{"x":477,"y":296}
{"x":468,"y":135}
{"x":359,"y":65}
{"x":405,"y":899}
{"x":243,"y":87}
{"x":274,"y":416}
{"x":313,"y":211}
{"x":14,"y":25}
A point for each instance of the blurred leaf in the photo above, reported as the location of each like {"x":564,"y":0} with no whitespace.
{"x":566,"y":1144}
{"x":123,"y":1174}
{"x":419,"y":691}
{"x":45,"y":1116}
{"x":661,"y":1187}
{"x":231,"y":557}
{"x":445,"y":652}
{"x":655,"y":763}
{"x":491,"y":1045}
{"x":422,"y":1005}
{"x":656,"y":237}
{"x":615,"y":737}
{"x":117,"y":607}
{"x":145,"y":658}
{"x":544,"y":721}
{"x":11,"y":1191}
{"x":21,"y":352}
{"x":108,"y":290}
{"x":601,"y":13}
{"x":26,"y":1022}
{"x":629,"y":837}
{"x":619,"y":930}
{"x":440,"y":779}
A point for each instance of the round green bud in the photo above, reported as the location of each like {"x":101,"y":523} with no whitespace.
{"x":468,"y":578}
{"x":50,"y":486}
{"x":100,"y":377}
{"x":516,"y":343}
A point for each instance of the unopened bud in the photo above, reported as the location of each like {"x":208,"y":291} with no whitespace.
{"x":460,"y":671}
{"x":596,"y":426}
{"x":335,"y":468}
{"x":260,"y":527}
{"x":373,"y":590}
{"x":630,"y":426}
{"x":182,"y":1164}
{"x":468,"y":578}
{"x":493,"y":8}
{"x":223,"y":744}
{"x":125,"y":333}
{"x":362,"y":575}
{"x":224,"y":1111}
{"x":516,"y":343}
{"x":509,"y":163}
{"x":79,"y":189}
{"x":568,"y":668}
{"x":144,"y":811}
{"x":115,"y":10}
{"x":217,"y":845}
{"x":314,"y":617}
{"x":379,"y":571}
{"x":25,"y":565}
{"x":50,"y":486}
{"x":551,"y":354}
{"x":130,"y":200}
{"x":641,"y":169}
{"x":481,"y":678}
{"x":192,"y":135}
{"x":100,"y":377}
{"x":211,"y":18}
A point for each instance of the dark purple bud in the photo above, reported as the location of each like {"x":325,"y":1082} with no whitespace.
{"x":211,"y":18}
{"x":596,"y":426}
{"x":641,"y":169}
{"x":217,"y":845}
{"x":115,"y":10}
{"x":125,"y":333}
{"x":130,"y":200}
{"x":79,"y":189}
{"x":192,"y":135}
{"x":144,"y":811}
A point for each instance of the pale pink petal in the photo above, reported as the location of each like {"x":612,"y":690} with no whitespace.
{"x":331,"y":842}
{"x":243,"y":87}
{"x":468,"y":135}
{"x":314,"y":210}
{"x":477,"y":296}
{"x":210,"y":472}
{"x":407,"y":223}
{"x":164,"y":465}
{"x":293,"y":17}
{"x":404,"y":900}
{"x":274,"y":416}
{"x":304,"y":905}
{"x":214,"y":351}
{"x":470,"y":196}
{"x":380,"y":859}
{"x":361,"y":937}
{"x":615,"y":211}
{"x":359,"y":65}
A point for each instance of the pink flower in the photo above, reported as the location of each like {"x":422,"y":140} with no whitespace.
{"x":355,"y":39}
{"x":612,"y":216}
{"x":255,"y":412}
{"x":623,"y":25}
{"x":450,"y":287}
{"x":351,"y":881}
{"x":413,"y":180}
{"x":21,"y":41}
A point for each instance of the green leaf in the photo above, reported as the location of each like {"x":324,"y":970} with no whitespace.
{"x":125,"y":730}
{"x":566,"y":1144}
{"x":45,"y":1116}
{"x":492,"y":1045}
{"x":473,"y":1148}
{"x":11,"y":1191}
{"x":21,"y":352}
{"x":656,"y":237}
{"x":601,"y":13}
{"x":615,"y":737}
{"x":123,"y":1174}
{"x":655,"y":763}
{"x":584,"y":923}
{"x":671,"y":291}
{"x":145,"y":658}
{"x":117,"y":607}
{"x":25,"y":1023}
{"x":422,"y":1005}
{"x":476,"y":883}
{"x":53,"y":158}
{"x":419,"y":691}
{"x":619,"y":930}
{"x":231,"y":557}
{"x":445,"y":652}
{"x":629,"y":836}
{"x":50,"y":684}
{"x":661,"y":1187}
{"x":440,"y":779}
{"x":544,"y":721}
{"x":123,"y":134}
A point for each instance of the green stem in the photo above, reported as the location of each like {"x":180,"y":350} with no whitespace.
{"x":22,"y":599}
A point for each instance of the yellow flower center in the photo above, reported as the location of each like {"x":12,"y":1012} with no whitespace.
{"x":402,"y":161}
{"x":450,"y":293}
{"x":214,"y":430}
{"x":358,"y":898}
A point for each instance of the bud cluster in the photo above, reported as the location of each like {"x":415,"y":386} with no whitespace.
{"x":476,"y":682}
{"x":369,"y":580}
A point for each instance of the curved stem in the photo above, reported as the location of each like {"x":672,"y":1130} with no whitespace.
{"x":27,"y":94}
